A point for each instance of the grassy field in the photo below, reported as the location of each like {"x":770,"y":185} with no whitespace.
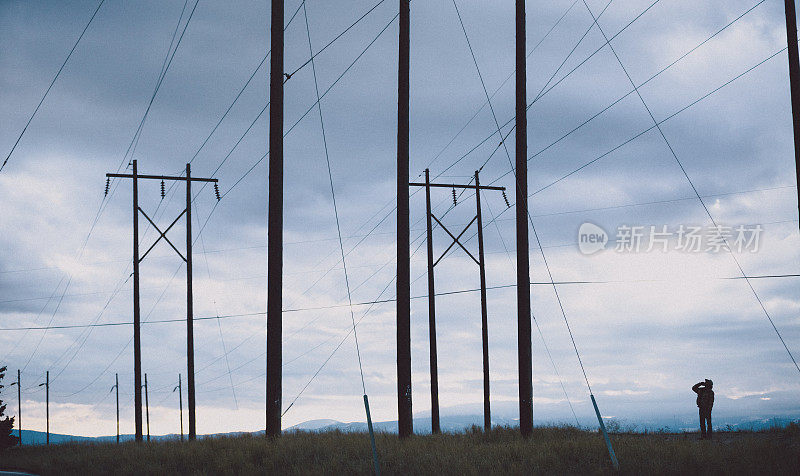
{"x":503,"y":451}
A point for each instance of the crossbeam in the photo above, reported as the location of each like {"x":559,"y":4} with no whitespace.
{"x":454,"y":185}
{"x":162,"y":177}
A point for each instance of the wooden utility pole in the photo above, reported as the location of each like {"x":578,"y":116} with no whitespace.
{"x":794,"y":83}
{"x":481,"y":262}
{"x":137,"y":351}
{"x":180,"y":402}
{"x":46,"y":386}
{"x":137,"y":341}
{"x":275,"y":226}
{"x":523,"y":261}
{"x":116,"y":387}
{"x":189,"y":313}
{"x":434,"y":366}
{"x":487,"y":410}
{"x":147,"y":407}
{"x":19,"y":406}
{"x":405,"y":417}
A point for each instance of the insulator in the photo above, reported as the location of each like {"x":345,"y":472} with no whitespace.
{"x":216,"y":191}
{"x":508,"y":205}
{"x":162,"y":189}
{"x":108,"y":184}
{"x":455,"y":200}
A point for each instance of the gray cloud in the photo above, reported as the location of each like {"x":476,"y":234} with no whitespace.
{"x":666,"y":324}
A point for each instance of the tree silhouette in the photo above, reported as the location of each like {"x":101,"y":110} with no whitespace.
{"x":7,"y":423}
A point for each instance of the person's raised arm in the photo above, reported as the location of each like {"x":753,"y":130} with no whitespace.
{"x":696,"y":387}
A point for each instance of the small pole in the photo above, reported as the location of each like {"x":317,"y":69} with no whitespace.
{"x":375,"y":463}
{"x":147,"y":407}
{"x":47,"y":396}
{"x":435,"y":426}
{"x":137,"y":342}
{"x":116,"y":386}
{"x":19,"y":406}
{"x":487,"y":411}
{"x":46,"y":386}
{"x":189,"y":305}
{"x":794,"y":81}
{"x":605,"y":434}
{"x":180,"y":402}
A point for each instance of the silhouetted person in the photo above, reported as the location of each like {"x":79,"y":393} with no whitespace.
{"x":705,"y":402}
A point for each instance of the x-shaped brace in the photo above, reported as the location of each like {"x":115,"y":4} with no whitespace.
{"x":163,"y":235}
{"x":455,"y":240}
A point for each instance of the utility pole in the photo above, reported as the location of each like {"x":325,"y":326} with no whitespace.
{"x":116,"y":387}
{"x":405,"y":417}
{"x":275,"y":227}
{"x":19,"y":405}
{"x":189,"y":312}
{"x":180,"y":402}
{"x":481,"y":262}
{"x":524,"y":356}
{"x":147,"y":407}
{"x":794,"y":82}
{"x":487,"y":411}
{"x":46,"y":386}
{"x":434,"y":366}
{"x":137,"y":341}
{"x":137,"y":350}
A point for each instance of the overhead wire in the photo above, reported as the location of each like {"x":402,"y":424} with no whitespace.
{"x":50,"y":86}
{"x":104,"y":202}
{"x":359,"y":56}
{"x":333,"y":194}
{"x":694,"y":188}
{"x":508,"y":155}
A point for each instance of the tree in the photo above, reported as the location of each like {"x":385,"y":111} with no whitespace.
{"x":7,"y":423}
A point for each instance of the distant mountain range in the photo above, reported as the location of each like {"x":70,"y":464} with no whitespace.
{"x":449,"y":423}
{"x":639,"y":415}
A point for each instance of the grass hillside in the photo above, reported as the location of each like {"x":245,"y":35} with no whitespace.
{"x":502,"y":451}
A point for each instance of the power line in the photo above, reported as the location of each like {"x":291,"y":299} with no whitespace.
{"x":313,"y":56}
{"x":295,"y":124}
{"x":333,"y":195}
{"x":311,"y":108}
{"x":165,"y":66}
{"x":477,"y":191}
{"x":159,"y":82}
{"x":385,"y":301}
{"x":58,"y":73}
{"x":103,"y":203}
{"x":694,"y":188}
{"x":214,"y":301}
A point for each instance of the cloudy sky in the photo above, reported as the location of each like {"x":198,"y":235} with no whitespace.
{"x":648,"y":324}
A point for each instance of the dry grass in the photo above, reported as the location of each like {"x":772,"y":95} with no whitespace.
{"x":549,"y":451}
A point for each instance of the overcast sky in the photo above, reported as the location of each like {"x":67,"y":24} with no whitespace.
{"x":648,"y":325}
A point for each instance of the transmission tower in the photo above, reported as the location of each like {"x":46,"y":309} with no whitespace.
{"x":137,"y":346}
{"x":481,"y":262}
